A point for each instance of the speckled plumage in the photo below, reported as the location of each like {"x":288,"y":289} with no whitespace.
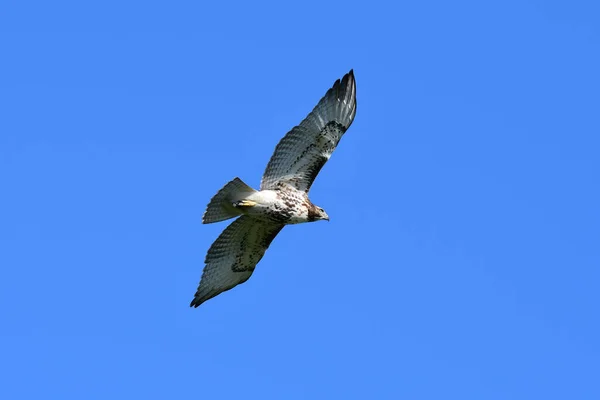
{"x":283,"y":198}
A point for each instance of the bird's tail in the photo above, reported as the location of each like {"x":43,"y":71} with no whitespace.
{"x":221,"y":205}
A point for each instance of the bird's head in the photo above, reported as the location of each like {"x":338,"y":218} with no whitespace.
{"x":318,"y":214}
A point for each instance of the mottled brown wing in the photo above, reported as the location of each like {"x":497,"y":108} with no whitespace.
{"x":232,"y":257}
{"x":304,"y":150}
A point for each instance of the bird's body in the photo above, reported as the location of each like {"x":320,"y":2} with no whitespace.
{"x":285,"y":205}
{"x":283,"y":195}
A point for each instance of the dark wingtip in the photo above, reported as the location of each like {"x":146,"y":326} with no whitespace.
{"x":350,"y":74}
{"x":197,"y":301}
{"x":195,"y":304}
{"x":349,"y":77}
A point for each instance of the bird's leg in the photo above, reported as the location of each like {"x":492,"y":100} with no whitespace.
{"x":244,"y":204}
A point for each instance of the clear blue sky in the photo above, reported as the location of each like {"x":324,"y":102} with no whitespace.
{"x":462,"y":260}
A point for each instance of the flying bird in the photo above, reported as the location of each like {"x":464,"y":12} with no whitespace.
{"x":283,"y":195}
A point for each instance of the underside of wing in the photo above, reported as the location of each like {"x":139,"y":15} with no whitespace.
{"x":233,"y":256}
{"x":304,"y":150}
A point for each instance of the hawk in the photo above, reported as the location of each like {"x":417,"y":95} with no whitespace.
{"x":283,"y":195}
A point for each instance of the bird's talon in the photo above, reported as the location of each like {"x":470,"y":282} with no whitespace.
{"x":244,"y":203}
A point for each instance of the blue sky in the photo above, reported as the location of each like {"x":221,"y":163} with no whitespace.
{"x":462,"y":257}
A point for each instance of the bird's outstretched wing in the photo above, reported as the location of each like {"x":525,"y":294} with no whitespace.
{"x":232,"y":257}
{"x":304,"y":150}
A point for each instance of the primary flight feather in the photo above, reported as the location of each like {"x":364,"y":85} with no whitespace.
{"x":283,"y":195}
